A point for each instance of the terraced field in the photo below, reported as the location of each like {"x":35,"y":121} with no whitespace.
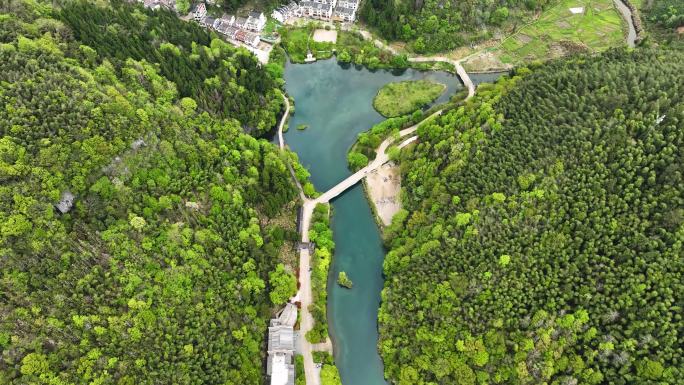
{"x":559,"y":31}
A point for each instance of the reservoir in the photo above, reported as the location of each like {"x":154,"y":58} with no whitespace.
{"x":335,"y":102}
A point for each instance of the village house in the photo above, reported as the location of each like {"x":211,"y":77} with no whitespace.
{"x":352,"y":4}
{"x":281,"y":341}
{"x":285,"y":12}
{"x":316,"y":9}
{"x":256,"y":21}
{"x":207,"y":22}
{"x":344,"y":14}
{"x":239,"y":22}
{"x":199,"y":11}
{"x":247,"y":37}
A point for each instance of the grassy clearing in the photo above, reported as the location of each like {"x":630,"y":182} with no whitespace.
{"x":401,"y":98}
{"x":559,"y":32}
{"x":297,"y":42}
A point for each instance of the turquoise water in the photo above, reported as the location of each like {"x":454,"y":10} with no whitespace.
{"x":336,"y":103}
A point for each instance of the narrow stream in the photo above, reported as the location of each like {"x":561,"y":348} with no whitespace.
{"x":336,"y":103}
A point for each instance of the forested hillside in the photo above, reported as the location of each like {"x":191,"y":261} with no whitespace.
{"x":541,"y":240}
{"x":223,"y":80}
{"x":433,"y":26}
{"x":160,"y":272}
{"x":664,"y":18}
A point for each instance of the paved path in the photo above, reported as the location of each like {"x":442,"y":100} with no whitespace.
{"x":304,"y":294}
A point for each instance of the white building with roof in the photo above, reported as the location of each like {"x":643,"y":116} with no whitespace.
{"x":344,"y":14}
{"x":199,"y":11}
{"x":281,"y":346}
{"x":256,"y":21}
{"x":285,"y":12}
{"x":352,"y":4}
{"x":316,"y":9}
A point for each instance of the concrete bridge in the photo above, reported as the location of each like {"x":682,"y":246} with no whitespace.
{"x":456,"y":63}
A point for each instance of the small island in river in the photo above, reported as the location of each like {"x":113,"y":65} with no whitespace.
{"x":401,"y":98}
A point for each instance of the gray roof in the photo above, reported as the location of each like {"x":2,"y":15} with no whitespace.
{"x":227,"y":30}
{"x":311,"y":4}
{"x":280,"y":338}
{"x":208,"y":20}
{"x":255,"y":14}
{"x":288,"y":8}
{"x":344,"y":11}
{"x":288,"y":316}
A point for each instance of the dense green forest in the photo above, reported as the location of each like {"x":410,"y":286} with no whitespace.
{"x":161,"y":272}
{"x":432,"y":25}
{"x":542,"y":230}
{"x":223,"y":80}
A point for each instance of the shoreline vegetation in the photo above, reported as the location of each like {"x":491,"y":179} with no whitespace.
{"x":401,"y":98}
{"x":350,"y":49}
{"x":321,"y":234}
{"x":363,"y":150}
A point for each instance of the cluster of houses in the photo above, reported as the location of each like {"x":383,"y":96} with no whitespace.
{"x":335,"y":10}
{"x":243,"y":29}
{"x":281,"y":347}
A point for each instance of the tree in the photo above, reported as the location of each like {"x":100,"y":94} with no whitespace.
{"x":344,"y":56}
{"x":357,"y":160}
{"x":499,"y":16}
{"x":283,"y":285}
{"x":330,"y":375}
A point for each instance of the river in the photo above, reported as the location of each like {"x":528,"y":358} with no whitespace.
{"x":336,"y":103}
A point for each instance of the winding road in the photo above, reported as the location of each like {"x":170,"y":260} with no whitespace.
{"x":304,"y":294}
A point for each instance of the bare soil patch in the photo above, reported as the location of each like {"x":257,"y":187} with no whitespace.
{"x":384,"y":186}
{"x":325,"y":36}
{"x":483,"y":62}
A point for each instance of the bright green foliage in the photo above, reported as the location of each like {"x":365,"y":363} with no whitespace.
{"x":157,"y":274}
{"x":401,"y":98}
{"x":576,"y":277}
{"x":357,"y":160}
{"x":321,"y":234}
{"x":283,"y":285}
{"x":343,"y":280}
{"x":330,"y":375}
{"x":323,"y":358}
{"x":300,"y":378}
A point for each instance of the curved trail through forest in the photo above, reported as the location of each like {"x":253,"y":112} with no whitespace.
{"x":308,"y":205}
